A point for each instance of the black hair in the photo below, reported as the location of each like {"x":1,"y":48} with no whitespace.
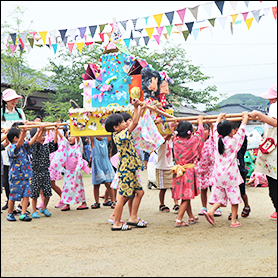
{"x":16,"y":124}
{"x":13,"y":132}
{"x":126,"y":116}
{"x":4,"y":103}
{"x":224,"y":128}
{"x":113,"y":120}
{"x":33,"y":131}
{"x":183,"y":128}
{"x":38,"y":117}
{"x":236,"y":125}
{"x":147,"y":74}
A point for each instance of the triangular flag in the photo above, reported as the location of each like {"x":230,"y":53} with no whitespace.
{"x":150,"y":31}
{"x":80,"y":46}
{"x":65,"y":40}
{"x":159,"y":30}
{"x":170,"y":16}
{"x":232,"y":30}
{"x":124,"y":23}
{"x":111,"y":45}
{"x":266,"y":11}
{"x":21,"y":48}
{"x":222,"y":21}
{"x":33,"y":34}
{"x":146,"y":40}
{"x":233,"y":4}
{"x":55,"y":45}
{"x":248,"y":22}
{"x":212,"y":21}
{"x":63,"y":33}
{"x":93,"y":30}
{"x":82,"y":31}
{"x":72,"y":33}
{"x":208,"y":7}
{"x":274,"y":11}
{"x":169,"y":29}
{"x":234,"y":16}
{"x":127,"y":42}
{"x":13,"y":36}
{"x":108,"y":34}
{"x":185,"y":34}
{"x":101,"y":36}
{"x":28,"y":48}
{"x":101,"y":27}
{"x":70,"y":45}
{"x":88,"y":43}
{"x":181,"y":14}
{"x":137,"y":40}
{"x":134,"y":21}
{"x":157,"y":37}
{"x":195,"y":32}
{"x":246,"y":3}
{"x":220,"y":5}
{"x":23,"y":36}
{"x":131,"y":34}
{"x":256,"y":15}
{"x":245,"y":15}
{"x":165,"y":35}
{"x":189,"y":26}
{"x":31,"y":41}
{"x":43,"y":36}
{"x":13,"y":48}
{"x":21,"y":42}
{"x":194,"y":11}
{"x":158,"y":18}
{"x":146,"y":18}
{"x":179,"y":27}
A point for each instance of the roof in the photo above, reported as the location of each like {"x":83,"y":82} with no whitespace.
{"x":187,"y":111}
{"x":233,"y":109}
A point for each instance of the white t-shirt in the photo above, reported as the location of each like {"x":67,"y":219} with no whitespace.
{"x":272,"y":112}
{"x":165,"y":156}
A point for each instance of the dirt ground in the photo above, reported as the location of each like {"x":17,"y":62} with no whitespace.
{"x":80,"y":243}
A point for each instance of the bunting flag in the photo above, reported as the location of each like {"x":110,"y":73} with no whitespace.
{"x":266,"y":11}
{"x":189,"y":26}
{"x":127,"y":42}
{"x":195,"y":33}
{"x":55,"y":45}
{"x":70,"y":46}
{"x":220,"y":5}
{"x":82,"y":31}
{"x":80,"y":46}
{"x":181,"y":14}
{"x":21,"y":48}
{"x":157,"y":37}
{"x":159,"y":30}
{"x":179,"y":27}
{"x":134,"y":21}
{"x":169,"y":29}
{"x":101,"y":36}
{"x":72,"y":33}
{"x":13,"y":48}
{"x":245,"y":15}
{"x":108,"y":34}
{"x":274,"y":11}
{"x":207,"y":7}
{"x":21,"y":42}
{"x":212,"y":21}
{"x":88,"y":43}
{"x":137,"y":40}
{"x":31,"y":41}
{"x":170,"y":16}
{"x":63,"y":33}
{"x":28,"y":48}
{"x":93,"y":30}
{"x":23,"y":36}
{"x":50,"y":44}
{"x":124,"y":23}
{"x":101,"y":27}
{"x":158,"y":18}
{"x":43,"y":36}
{"x":13,"y":36}
{"x":33,"y":34}
{"x":194,"y":11}
{"x":185,"y":34}
{"x":246,"y":3}
{"x":146,"y":40}
{"x":233,"y":4}
{"x":248,"y":22}
{"x":65,"y":40}
{"x":234,"y":16}
{"x":256,"y":15}
{"x":165,"y":35}
{"x":131,"y":35}
{"x":222,"y":21}
{"x":146,"y":18}
{"x":150,"y":31}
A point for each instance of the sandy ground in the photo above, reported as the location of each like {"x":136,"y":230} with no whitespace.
{"x":81,"y":243}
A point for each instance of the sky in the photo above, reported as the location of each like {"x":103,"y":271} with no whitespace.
{"x":242,"y":62}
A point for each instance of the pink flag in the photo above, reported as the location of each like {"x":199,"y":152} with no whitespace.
{"x":181,"y":13}
{"x":157,"y":37}
{"x":159,"y":30}
{"x":70,"y":45}
{"x":13,"y":48}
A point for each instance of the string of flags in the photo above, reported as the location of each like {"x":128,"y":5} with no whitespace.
{"x":139,"y":29}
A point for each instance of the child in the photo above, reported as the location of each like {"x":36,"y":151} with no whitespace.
{"x":204,"y":167}
{"x":20,"y":171}
{"x":40,"y":164}
{"x":128,"y":164}
{"x":102,"y":170}
{"x":69,"y":156}
{"x":226,"y":172}
{"x":163,"y":171}
{"x":258,"y":179}
{"x":187,"y":148}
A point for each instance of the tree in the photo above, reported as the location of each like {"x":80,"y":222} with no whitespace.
{"x":19,"y":75}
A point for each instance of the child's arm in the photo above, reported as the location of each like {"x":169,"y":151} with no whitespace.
{"x":21,"y":138}
{"x":55,"y":133}
{"x":200,"y":119}
{"x":245,"y":117}
{"x":250,"y":181}
{"x":34,"y":138}
{"x":136,"y":116}
{"x":220,"y":117}
{"x":263,"y":118}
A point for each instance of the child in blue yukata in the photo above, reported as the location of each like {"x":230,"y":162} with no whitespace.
{"x":20,"y":171}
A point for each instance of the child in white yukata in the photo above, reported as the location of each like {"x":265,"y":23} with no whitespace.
{"x":226,"y":173}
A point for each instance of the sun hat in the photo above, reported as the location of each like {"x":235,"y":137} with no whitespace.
{"x":271,"y":93}
{"x":10,"y":94}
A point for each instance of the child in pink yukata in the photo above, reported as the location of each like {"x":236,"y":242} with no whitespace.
{"x":226,"y":173}
{"x":69,"y":156}
{"x":187,"y":149}
{"x":258,"y":179}
{"x":204,"y":168}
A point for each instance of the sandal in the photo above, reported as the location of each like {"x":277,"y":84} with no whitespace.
{"x":163,"y":208}
{"x":65,"y":208}
{"x":113,"y":205}
{"x":193,"y":220}
{"x":107,"y":204}
{"x":180,"y":223}
{"x":245,"y":212}
{"x":176,"y":208}
{"x":230,"y":216}
{"x":95,"y":206}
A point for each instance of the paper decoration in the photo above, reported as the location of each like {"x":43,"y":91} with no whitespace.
{"x":220,"y":5}
{"x":256,"y":15}
{"x":127,"y":42}
{"x":212,"y":21}
{"x":55,"y":45}
{"x":13,"y":36}
{"x":207,"y":7}
{"x":157,"y":37}
{"x":88,"y":43}
{"x":146,"y":40}
{"x":33,"y":34}
{"x":146,"y":18}
{"x":159,"y":30}
{"x":266,"y":11}
{"x":248,"y":22}
{"x":131,"y":35}
{"x":274,"y":11}
{"x":21,"y":42}
{"x":101,"y":36}
{"x":170,"y":16}
{"x":246,"y":3}
{"x":181,"y":14}
{"x":195,"y":33}
{"x":245,"y":15}
{"x":31,"y":41}
{"x":43,"y":36}
{"x":82,"y":31}
{"x":169,"y":29}
{"x":65,"y":40}
{"x":101,"y":27}
{"x":80,"y":46}
{"x":189,"y":26}
{"x":222,"y":21}
{"x":13,"y":48}
{"x":63,"y":33}
{"x":21,"y":48}
{"x":158,"y":18}
{"x":70,"y":46}
{"x":28,"y":48}
{"x":234,"y":16}
{"x":150,"y":31}
{"x":233,"y":4}
{"x":93,"y":30}
{"x":179,"y":27}
{"x":23,"y":36}
{"x":72,"y":33}
{"x":166,"y":36}
{"x":194,"y":11}
{"x":124,"y":23}
{"x":137,"y":40}
{"x":134,"y":21}
{"x":185,"y":34}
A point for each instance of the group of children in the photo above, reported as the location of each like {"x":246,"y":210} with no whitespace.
{"x":205,"y":158}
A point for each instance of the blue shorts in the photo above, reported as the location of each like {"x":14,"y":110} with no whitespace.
{"x":19,"y":189}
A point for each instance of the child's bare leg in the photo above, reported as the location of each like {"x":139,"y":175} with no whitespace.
{"x":135,"y":205}
{"x":176,"y":202}
{"x":34,"y":205}
{"x":245,"y":200}
{"x":130,"y":201}
{"x":119,"y":210}
{"x":96,"y":192}
{"x":162,"y":196}
{"x":182,"y":209}
{"x":114,"y":191}
{"x":10,"y":206}
{"x":56,"y":188}
{"x":45,"y":202}
{"x":24,"y":204}
{"x":189,"y":210}
{"x":213,"y":208}
{"x":112,"y":216}
{"x":234,"y":214}
{"x":204,"y":198}
{"x":109,"y":192}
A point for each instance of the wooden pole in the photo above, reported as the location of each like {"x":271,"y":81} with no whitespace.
{"x":38,"y":125}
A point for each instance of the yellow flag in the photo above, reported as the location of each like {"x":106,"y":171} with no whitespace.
{"x":80,"y":46}
{"x":150,"y":31}
{"x":248,"y":22}
{"x":158,"y":18}
{"x":43,"y":36}
{"x":234,"y":16}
